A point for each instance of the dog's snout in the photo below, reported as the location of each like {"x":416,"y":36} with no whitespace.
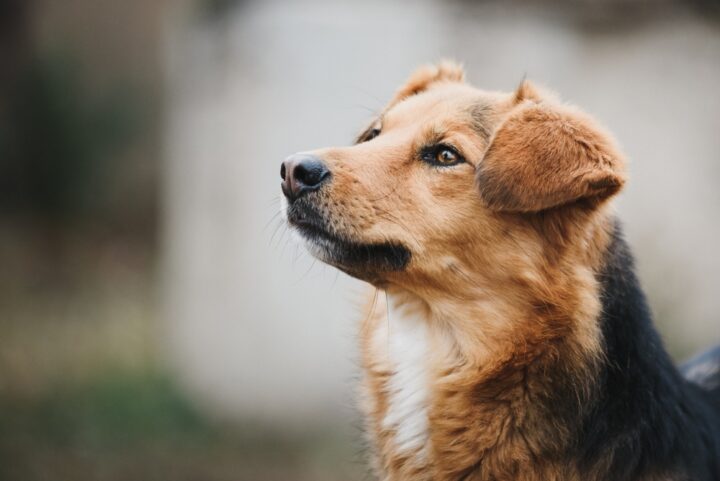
{"x":302,"y":173}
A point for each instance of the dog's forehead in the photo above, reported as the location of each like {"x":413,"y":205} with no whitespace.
{"x":451,"y":99}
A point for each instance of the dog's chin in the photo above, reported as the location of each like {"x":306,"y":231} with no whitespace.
{"x":367,"y":261}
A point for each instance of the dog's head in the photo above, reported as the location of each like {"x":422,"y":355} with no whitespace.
{"x":450,"y":178}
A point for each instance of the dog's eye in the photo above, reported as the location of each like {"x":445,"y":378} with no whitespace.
{"x":369,"y":135}
{"x":446,"y":157}
{"x":372,"y":134}
{"x":442,"y":156}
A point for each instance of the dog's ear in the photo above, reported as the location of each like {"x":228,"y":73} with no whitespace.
{"x":545,"y":155}
{"x":425,"y":76}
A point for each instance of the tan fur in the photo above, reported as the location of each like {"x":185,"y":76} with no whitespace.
{"x":428,"y":75}
{"x":508,"y":298}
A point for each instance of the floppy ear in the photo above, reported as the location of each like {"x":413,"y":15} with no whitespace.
{"x":423,"y":77}
{"x":545,"y":155}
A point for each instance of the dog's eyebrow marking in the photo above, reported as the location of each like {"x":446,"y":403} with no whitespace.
{"x":434,"y":135}
{"x":479,"y":114}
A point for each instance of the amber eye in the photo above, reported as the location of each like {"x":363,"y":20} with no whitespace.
{"x":441,"y":155}
{"x":446,"y":156}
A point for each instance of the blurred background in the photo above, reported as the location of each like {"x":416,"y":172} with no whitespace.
{"x":157,"y":321}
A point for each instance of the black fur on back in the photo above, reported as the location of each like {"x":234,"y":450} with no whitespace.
{"x":646,"y":418}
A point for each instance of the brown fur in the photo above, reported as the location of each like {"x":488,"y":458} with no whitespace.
{"x":543,"y":156}
{"x":509,"y":299}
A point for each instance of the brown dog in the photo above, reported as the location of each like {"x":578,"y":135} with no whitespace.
{"x":512,"y":341}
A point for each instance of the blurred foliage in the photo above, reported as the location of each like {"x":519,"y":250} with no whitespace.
{"x":137,"y":425}
{"x":116,"y":410}
{"x":57,"y":143}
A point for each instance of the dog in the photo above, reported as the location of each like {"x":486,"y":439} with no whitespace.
{"x":510,"y":339}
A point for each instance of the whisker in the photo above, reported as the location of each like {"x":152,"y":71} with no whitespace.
{"x":297,"y":254}
{"x":365,"y":92}
{"x":395,"y":220}
{"x":374,"y":112}
{"x":286,"y":235}
{"x":373,"y":305}
{"x":387,"y":317}
{"x":267,"y":224}
{"x":302,"y":277}
{"x":277,"y":228}
{"x":386,"y":195}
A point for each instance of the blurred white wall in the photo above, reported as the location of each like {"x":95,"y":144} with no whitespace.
{"x":257,"y":329}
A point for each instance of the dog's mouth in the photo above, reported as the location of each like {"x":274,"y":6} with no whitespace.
{"x":359,"y":259}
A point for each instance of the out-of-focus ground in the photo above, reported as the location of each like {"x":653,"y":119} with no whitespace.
{"x":156,"y":322}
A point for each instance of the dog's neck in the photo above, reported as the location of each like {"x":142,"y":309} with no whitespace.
{"x":485,"y":388}
{"x":453,"y":381}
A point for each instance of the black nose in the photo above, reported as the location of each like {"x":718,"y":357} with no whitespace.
{"x":302,"y":173}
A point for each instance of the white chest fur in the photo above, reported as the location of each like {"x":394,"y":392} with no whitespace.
{"x":404,"y":340}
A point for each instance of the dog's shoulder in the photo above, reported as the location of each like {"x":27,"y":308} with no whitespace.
{"x":647,"y":417}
